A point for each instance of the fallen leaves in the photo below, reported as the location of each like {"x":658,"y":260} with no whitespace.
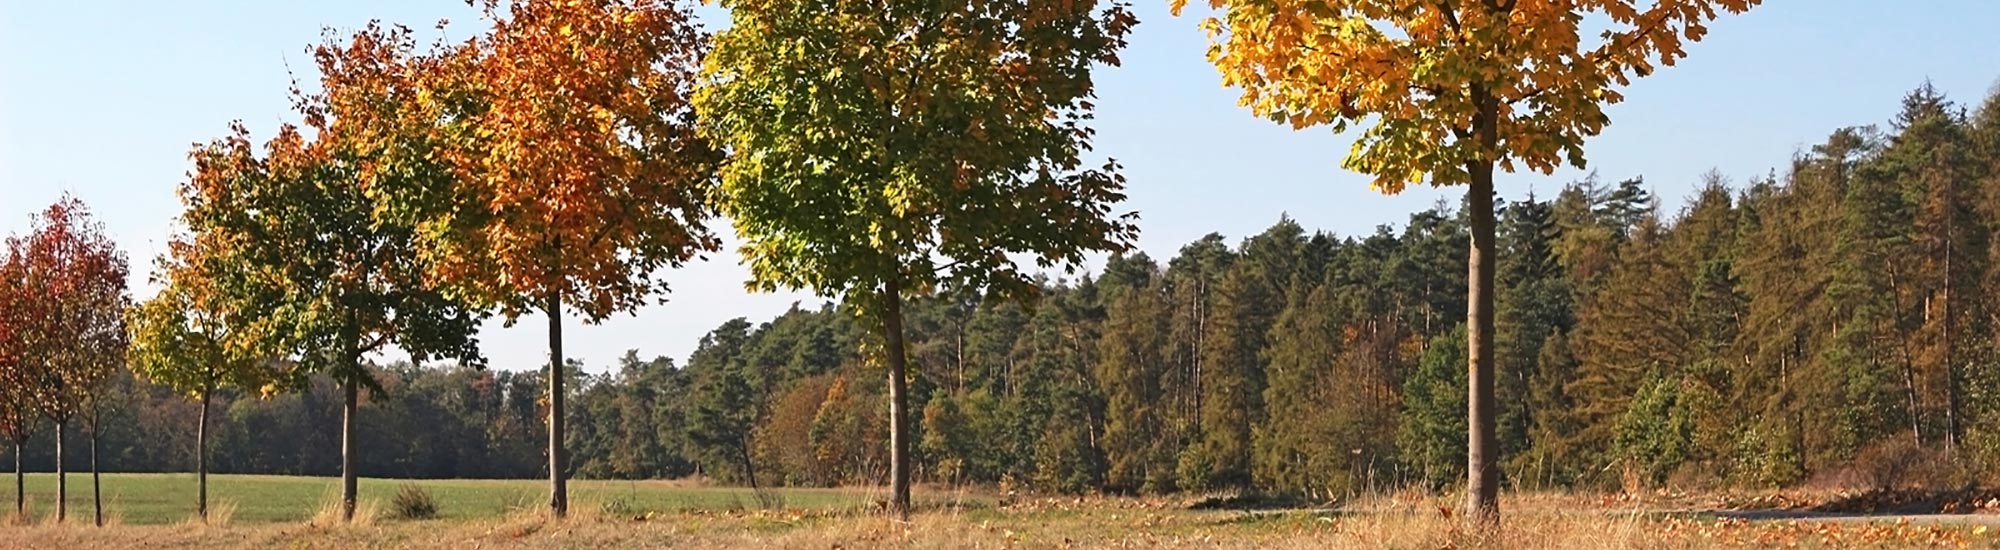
{"x":1735,"y":532}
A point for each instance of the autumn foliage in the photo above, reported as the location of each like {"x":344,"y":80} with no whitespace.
{"x":572,"y":141}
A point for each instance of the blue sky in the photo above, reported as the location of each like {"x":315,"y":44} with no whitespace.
{"x":102,"y":99}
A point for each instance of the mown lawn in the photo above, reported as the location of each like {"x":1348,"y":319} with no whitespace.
{"x":144,"y":499}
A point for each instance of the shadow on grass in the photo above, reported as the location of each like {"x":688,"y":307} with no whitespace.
{"x":1252,"y":502}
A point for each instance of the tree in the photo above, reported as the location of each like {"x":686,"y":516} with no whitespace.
{"x":937,"y":141}
{"x":71,"y":284}
{"x":579,"y":172}
{"x":185,"y":339}
{"x":1452,"y":91}
{"x":322,"y":269}
{"x":1139,"y":454}
{"x":17,"y":409}
{"x":1428,"y":437}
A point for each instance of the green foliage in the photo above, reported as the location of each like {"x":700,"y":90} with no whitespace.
{"x":1656,"y":434}
{"x":942,"y":139}
{"x":1431,"y":439}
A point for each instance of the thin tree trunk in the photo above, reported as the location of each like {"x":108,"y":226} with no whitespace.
{"x":1482,"y":468}
{"x":899,"y":404}
{"x":201,"y":457}
{"x":1909,"y":368}
{"x":96,"y":482}
{"x":62,"y":476}
{"x":20,"y":484}
{"x":349,"y":479}
{"x":558,"y":485}
{"x":749,"y":468}
{"x":1910,"y":390}
{"x":1953,"y":428}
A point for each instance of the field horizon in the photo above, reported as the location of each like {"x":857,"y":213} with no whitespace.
{"x":169,"y":497}
{"x":266,"y":511}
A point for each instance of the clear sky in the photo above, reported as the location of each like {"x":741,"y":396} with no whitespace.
{"x":103,"y":98}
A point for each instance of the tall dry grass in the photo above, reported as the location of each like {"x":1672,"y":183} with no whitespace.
{"x":1405,"y":520}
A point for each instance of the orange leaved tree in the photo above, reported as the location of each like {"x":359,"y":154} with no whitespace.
{"x":579,"y":172}
{"x":1449,"y":90}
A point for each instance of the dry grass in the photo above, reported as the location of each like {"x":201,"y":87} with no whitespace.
{"x":330,"y":512}
{"x":220,"y":514}
{"x":1412,"y":521}
{"x":24,"y":516}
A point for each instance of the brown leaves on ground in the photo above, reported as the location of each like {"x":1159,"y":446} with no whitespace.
{"x":1970,"y":500}
{"x":1729,"y":532}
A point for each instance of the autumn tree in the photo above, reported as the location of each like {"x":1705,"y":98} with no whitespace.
{"x":184,"y":338}
{"x":579,"y":174}
{"x":70,"y":282}
{"x":324,"y":270}
{"x":936,"y":142}
{"x":17,"y":409}
{"x":1451,"y":91}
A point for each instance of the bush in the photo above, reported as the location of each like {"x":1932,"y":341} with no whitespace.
{"x":1898,"y":464}
{"x":413,"y":502}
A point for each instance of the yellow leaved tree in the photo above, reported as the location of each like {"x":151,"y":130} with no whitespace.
{"x":1448,"y":90}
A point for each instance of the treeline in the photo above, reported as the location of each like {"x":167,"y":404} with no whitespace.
{"x":1763,"y":334}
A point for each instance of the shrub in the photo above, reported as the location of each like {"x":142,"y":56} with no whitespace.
{"x":413,"y":502}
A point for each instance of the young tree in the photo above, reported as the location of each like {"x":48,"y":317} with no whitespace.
{"x":322,"y":269}
{"x":17,"y":410}
{"x":940,"y":140}
{"x":1452,"y":90}
{"x":579,"y":172}
{"x":71,"y":283}
{"x":184,"y":338}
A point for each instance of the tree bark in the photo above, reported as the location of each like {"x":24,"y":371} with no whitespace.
{"x":558,"y":484}
{"x":20,"y":485}
{"x":1482,"y":467}
{"x":349,"y":479}
{"x":899,"y":400}
{"x":1953,"y":429}
{"x":62,"y":476}
{"x":96,"y":482}
{"x":201,"y":458}
{"x":749,"y":467}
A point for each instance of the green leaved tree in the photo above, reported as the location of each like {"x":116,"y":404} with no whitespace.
{"x":884,"y":148}
{"x":186,"y":339}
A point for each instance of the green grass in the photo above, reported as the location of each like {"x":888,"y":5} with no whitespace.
{"x":169,"y":498}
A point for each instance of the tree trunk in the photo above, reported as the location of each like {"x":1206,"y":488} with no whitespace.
{"x":62,"y":476}
{"x":96,"y":482}
{"x":749,"y":467}
{"x":1481,"y":464}
{"x":558,"y":485}
{"x":1910,"y":392}
{"x":1953,"y":429}
{"x":899,"y":400}
{"x":1903,"y":353}
{"x":349,"y":479}
{"x":20,"y":485}
{"x":201,"y":458}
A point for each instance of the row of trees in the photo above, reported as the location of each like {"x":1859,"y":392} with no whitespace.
{"x":555,"y":164}
{"x":62,"y":335}
{"x":872,"y":153}
{"x":1763,"y":334}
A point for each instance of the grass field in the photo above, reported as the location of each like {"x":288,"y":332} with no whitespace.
{"x":143,"y":499}
{"x":271,"y":512}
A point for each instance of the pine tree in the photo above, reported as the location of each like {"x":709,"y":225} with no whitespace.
{"x":1134,"y":363}
{"x":1429,"y":439}
{"x":1534,"y":306}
